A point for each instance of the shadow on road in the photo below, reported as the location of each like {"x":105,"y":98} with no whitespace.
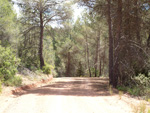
{"x":76,"y":87}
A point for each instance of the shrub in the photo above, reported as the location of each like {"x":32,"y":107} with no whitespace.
{"x":138,"y":86}
{"x":122,"y":88}
{"x":15,"y":81}
{"x":8,"y":63}
{"x":39,"y":72}
{"x":46,"y":69}
{"x":134,"y":91}
{"x":141,"y":79}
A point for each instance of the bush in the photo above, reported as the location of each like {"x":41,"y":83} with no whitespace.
{"x":15,"y":81}
{"x":141,"y":79}
{"x":46,"y":69}
{"x":134,"y":91}
{"x":139,"y":86}
{"x":8,"y":64}
{"x":122,"y":88}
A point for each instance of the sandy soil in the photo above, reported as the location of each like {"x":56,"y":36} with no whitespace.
{"x":26,"y":80}
{"x":69,"y":95}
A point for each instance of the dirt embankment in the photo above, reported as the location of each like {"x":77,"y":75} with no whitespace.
{"x":28,"y":83}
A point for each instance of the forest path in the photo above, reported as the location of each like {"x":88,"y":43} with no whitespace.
{"x":67,"y":95}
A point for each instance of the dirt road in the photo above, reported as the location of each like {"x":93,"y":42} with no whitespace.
{"x":67,"y":95}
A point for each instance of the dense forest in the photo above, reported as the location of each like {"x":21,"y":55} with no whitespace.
{"x":112,"y":38}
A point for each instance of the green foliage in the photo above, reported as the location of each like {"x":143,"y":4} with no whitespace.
{"x":8,"y":65}
{"x":29,"y":53}
{"x":122,"y":88}
{"x":80,"y":71}
{"x":80,"y":41}
{"x":146,"y":92}
{"x":15,"y":81}
{"x":138,"y":86}
{"x":39,"y":72}
{"x":141,"y":79}
{"x":47,"y":69}
{"x":8,"y":26}
{"x":134,"y":91}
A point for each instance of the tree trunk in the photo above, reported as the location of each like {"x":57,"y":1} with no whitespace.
{"x":137,"y":21}
{"x":128,"y":20}
{"x":110,"y":44}
{"x":100,"y":59}
{"x":88,"y":61}
{"x":103,"y":62}
{"x":148,"y":41}
{"x":96,"y":54}
{"x":68,"y":65}
{"x":100,"y":67}
{"x":41,"y":42}
{"x":117,"y":41}
{"x":85,"y":57}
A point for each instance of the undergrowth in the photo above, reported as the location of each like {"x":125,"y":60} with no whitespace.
{"x":139,"y":87}
{"x":110,"y":90}
{"x":8,"y":67}
{"x":47,"y":69}
{"x":15,"y":81}
{"x":140,"y":108}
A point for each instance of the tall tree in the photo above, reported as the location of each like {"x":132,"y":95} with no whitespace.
{"x":111,"y":74}
{"x":40,"y":13}
{"x":97,"y":52}
{"x":8,"y":27}
{"x":117,"y":44}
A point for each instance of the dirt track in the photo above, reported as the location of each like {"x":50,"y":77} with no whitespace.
{"x":67,"y":95}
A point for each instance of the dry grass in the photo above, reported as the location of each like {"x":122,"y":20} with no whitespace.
{"x":110,"y":90}
{"x":120,"y":94}
{"x":140,"y":108}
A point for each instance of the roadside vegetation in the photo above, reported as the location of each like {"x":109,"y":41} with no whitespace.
{"x":140,"y":87}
